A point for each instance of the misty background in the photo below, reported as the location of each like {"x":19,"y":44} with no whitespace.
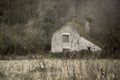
{"x":26,"y":26}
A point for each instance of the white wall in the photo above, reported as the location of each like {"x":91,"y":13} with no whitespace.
{"x":85,"y":44}
{"x":76,"y":42}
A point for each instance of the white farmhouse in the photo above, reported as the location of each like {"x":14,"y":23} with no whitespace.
{"x":73,"y":37}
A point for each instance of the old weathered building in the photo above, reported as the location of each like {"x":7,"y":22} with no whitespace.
{"x":73,"y":37}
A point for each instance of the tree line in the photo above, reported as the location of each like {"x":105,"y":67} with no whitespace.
{"x":27,"y":25}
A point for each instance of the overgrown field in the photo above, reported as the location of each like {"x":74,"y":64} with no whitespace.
{"x":60,"y":69}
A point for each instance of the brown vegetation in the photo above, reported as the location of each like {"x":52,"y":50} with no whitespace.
{"x":60,"y":69}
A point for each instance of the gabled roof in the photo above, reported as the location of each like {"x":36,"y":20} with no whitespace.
{"x":81,"y":31}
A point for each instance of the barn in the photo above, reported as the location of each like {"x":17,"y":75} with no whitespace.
{"x":73,"y":37}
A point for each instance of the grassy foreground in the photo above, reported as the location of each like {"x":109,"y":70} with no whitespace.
{"x":60,"y":69}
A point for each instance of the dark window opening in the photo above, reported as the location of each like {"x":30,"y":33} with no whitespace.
{"x":89,"y":48}
{"x":65,"y":38}
{"x":65,"y":50}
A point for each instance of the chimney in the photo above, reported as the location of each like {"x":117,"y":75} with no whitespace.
{"x":87,"y":25}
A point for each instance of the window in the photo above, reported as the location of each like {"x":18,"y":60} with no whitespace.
{"x":65,"y":50}
{"x":89,"y":48}
{"x":65,"y":38}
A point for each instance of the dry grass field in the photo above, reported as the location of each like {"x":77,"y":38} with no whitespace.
{"x":60,"y":69}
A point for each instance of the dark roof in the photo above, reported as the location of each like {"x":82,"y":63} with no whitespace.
{"x":81,"y":31}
